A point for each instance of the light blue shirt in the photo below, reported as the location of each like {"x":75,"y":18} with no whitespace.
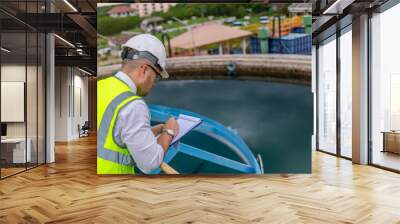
{"x":132,"y":128}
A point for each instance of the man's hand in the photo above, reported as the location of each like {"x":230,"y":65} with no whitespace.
{"x":157,"y":129}
{"x":173,"y":125}
{"x":164,"y":140}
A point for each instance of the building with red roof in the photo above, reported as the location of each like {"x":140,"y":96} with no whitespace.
{"x":200,"y":38}
{"x":122,"y":11}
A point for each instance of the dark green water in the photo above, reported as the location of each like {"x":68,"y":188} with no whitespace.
{"x":274,"y":119}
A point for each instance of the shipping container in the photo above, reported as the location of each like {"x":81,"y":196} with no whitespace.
{"x":294,"y":43}
{"x":298,"y":30}
{"x":255,"y":45}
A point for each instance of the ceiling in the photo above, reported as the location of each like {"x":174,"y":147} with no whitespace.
{"x":331,"y":14}
{"x":72,"y":20}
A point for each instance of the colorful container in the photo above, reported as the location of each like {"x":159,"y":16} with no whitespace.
{"x":294,"y":43}
{"x":298,"y":30}
{"x":255,"y":45}
{"x":307,"y":20}
{"x":263,"y":35}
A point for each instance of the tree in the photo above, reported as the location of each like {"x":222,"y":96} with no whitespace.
{"x":109,"y":26}
{"x":102,"y":11}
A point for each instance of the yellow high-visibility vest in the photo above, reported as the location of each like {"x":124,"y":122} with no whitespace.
{"x":112,"y":95}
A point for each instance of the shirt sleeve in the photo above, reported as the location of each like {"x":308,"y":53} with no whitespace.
{"x":134,"y":130}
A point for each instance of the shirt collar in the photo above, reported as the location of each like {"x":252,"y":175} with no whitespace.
{"x":128,"y":81}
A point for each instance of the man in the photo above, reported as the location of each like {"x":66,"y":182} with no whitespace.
{"x":125,"y":138}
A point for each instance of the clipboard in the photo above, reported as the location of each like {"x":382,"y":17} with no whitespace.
{"x":186,"y":124}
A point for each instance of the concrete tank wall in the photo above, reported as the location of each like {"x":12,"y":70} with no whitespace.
{"x":274,"y":67}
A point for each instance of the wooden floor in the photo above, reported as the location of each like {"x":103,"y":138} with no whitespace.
{"x":69,"y":191}
{"x":10,"y":171}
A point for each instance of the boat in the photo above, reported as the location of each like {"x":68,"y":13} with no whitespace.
{"x":209,"y":148}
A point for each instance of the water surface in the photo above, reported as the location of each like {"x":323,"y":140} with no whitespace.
{"x":274,"y":119}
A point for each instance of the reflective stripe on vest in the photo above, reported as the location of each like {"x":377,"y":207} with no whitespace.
{"x":103,"y":152}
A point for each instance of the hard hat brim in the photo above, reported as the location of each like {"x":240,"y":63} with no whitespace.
{"x":164,"y":74}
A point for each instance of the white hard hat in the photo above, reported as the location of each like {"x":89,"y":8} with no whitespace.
{"x":149,"y":47}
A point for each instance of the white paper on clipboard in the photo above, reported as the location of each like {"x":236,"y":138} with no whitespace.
{"x":186,"y":123}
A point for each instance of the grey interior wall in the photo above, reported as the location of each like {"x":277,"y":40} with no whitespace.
{"x":62,"y":80}
{"x":17,"y":72}
{"x":10,"y":73}
{"x":80,"y":83}
{"x":71,"y":102}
